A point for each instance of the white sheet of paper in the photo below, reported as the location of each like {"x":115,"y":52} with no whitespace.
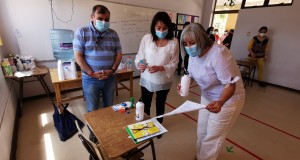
{"x":187,"y":106}
{"x":23,"y":73}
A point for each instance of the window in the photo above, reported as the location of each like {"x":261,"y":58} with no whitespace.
{"x":254,"y":3}
{"x":226,"y":5}
{"x":265,"y":3}
{"x":226,"y":11}
{"x":225,"y":15}
{"x":272,"y":2}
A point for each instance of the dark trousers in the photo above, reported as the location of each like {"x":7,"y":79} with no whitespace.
{"x":161,"y":97}
{"x":185,"y":63}
{"x":179,"y":65}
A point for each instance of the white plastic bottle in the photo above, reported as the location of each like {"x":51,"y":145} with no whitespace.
{"x":139,"y":112}
{"x":60,"y":70}
{"x":185,"y":85}
{"x":73,"y":68}
{"x":20,"y":66}
{"x":128,"y":63}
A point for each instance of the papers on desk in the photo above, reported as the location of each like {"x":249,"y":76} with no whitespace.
{"x":187,"y":106}
{"x":20,"y":74}
{"x":144,"y":130}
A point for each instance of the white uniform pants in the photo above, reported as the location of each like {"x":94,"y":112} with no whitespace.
{"x":213,"y":128}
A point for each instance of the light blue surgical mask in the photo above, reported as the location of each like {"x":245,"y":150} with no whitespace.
{"x":192,"y":51}
{"x":101,"y":26}
{"x":162,"y":34}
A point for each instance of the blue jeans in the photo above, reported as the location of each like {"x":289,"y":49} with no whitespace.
{"x":93,"y":89}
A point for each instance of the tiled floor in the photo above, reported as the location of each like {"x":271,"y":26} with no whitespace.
{"x":268,"y":128}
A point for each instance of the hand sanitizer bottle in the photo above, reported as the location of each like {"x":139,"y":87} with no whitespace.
{"x":139,"y":112}
{"x":185,"y":85}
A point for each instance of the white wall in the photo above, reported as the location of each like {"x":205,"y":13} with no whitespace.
{"x":8,"y":100}
{"x":283,"y":65}
{"x":32,"y":32}
{"x":207,"y":13}
{"x":8,"y":105}
{"x":193,"y":7}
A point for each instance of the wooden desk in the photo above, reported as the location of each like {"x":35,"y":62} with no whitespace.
{"x":109,"y":128}
{"x":124,"y":75}
{"x":65,"y":85}
{"x":77,"y":83}
{"x":38,"y":73}
{"x":251,"y":66}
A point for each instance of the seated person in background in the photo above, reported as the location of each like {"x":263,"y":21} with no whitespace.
{"x":258,"y":49}
{"x":228,"y":39}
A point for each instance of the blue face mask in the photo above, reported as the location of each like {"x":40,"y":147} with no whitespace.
{"x":101,"y":26}
{"x":162,"y":34}
{"x":192,"y":51}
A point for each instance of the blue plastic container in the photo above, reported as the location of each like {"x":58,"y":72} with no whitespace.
{"x":62,"y":44}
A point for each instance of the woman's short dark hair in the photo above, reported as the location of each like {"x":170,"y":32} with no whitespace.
{"x":164,"y":18}
{"x":102,"y":9}
{"x":263,"y":28}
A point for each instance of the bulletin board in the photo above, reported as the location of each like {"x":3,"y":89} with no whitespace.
{"x":182,"y":18}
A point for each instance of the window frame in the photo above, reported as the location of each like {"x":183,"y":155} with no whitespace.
{"x":266,"y":4}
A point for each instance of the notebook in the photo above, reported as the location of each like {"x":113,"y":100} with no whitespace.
{"x":144,"y":130}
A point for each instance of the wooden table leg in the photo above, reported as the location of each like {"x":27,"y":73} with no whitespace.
{"x":58,"y":96}
{"x":21,"y":95}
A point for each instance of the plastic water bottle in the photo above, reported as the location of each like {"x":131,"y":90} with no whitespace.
{"x":139,"y":112}
{"x":60,"y":70}
{"x":128,"y":63}
{"x":20,"y":66}
{"x":185,"y":85}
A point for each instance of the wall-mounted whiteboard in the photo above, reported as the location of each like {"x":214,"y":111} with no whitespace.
{"x":130,"y":22}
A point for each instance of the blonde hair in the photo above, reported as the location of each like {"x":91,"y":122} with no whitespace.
{"x":196,"y":33}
